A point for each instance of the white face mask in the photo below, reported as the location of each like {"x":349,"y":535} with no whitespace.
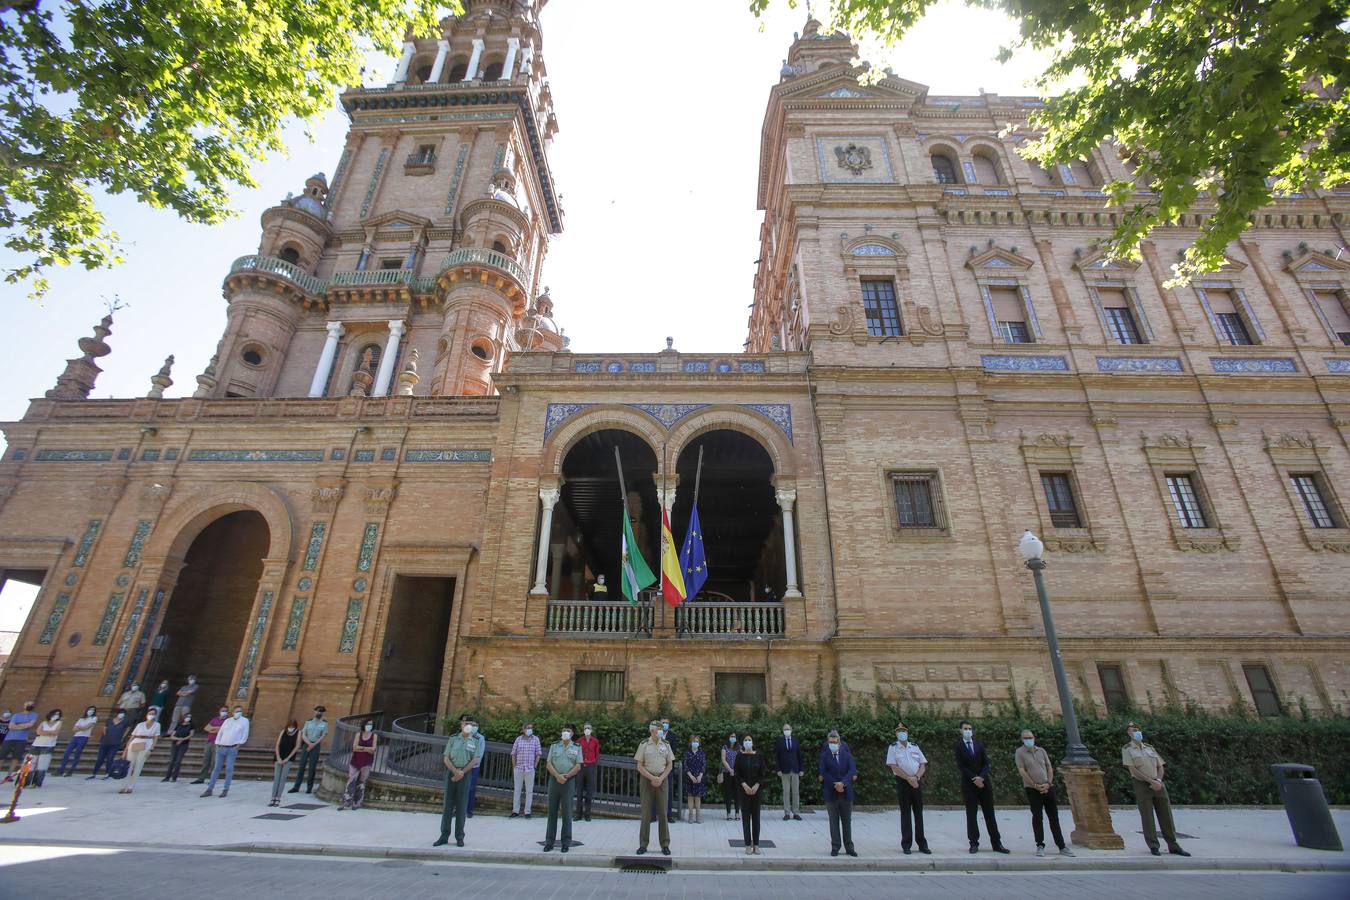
{"x":902,"y":736}
{"x":149,"y":718}
{"x":693,"y":745}
{"x":475,"y":728}
{"x":787,"y":732}
{"x":567,"y":735}
{"x":467,"y":729}
{"x":290,"y":729}
{"x":58,"y":718}
{"x":586,"y":731}
{"x":748,"y":744}
{"x":224,"y":713}
{"x":238,"y":714}
{"x":834,"y":746}
{"x":1030,"y":742}
{"x":529,"y":732}
{"x":966,"y":733}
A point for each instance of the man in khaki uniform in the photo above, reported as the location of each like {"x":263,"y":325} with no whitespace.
{"x":1147,"y":767}
{"x":655,"y":760}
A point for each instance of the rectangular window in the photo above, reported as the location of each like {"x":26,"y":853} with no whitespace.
{"x":883,"y":316}
{"x":1010,"y":314}
{"x":917,"y":502}
{"x":1014,"y":332}
{"x":1059,"y":498}
{"x":1263,"y":691}
{"x":1333,"y":307}
{"x":1314,"y":503}
{"x":1120,"y":324}
{"x":739,"y":687}
{"x":593,"y":684}
{"x":1232,"y":329}
{"x":391,"y":264}
{"x":1113,"y":688}
{"x":1185,"y":501}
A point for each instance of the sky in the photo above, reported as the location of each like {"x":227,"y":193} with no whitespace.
{"x":660,"y":107}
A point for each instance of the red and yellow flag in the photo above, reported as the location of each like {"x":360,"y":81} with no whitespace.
{"x":672,"y":578}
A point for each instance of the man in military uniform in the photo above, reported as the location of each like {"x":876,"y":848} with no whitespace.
{"x":655,"y":760}
{"x":1146,"y":767}
{"x":460,"y":752}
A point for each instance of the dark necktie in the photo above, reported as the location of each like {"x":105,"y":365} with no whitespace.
{"x":970,"y":748}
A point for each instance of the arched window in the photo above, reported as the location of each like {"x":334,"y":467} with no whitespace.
{"x":987,"y":169}
{"x":500,"y":247}
{"x":1083,"y":173}
{"x":458,"y":71}
{"x":290,"y":254}
{"x":423,"y":74}
{"x":493,"y":71}
{"x":1040,"y":175}
{"x":374,"y":350}
{"x":944,"y":170}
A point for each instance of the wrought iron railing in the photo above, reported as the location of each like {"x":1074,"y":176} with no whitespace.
{"x":484,"y":257}
{"x":372,"y":276}
{"x":703,"y":619}
{"x":274,"y":266}
{"x":615,"y":618}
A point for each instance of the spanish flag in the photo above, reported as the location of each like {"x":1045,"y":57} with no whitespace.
{"x":672,"y":579}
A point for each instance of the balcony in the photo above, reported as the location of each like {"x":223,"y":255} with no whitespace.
{"x":744,"y":621}
{"x":600,"y":618}
{"x":481,"y":258}
{"x":700,"y":620}
{"x":366,"y":277}
{"x":270,"y":265}
{"x":420,"y":163}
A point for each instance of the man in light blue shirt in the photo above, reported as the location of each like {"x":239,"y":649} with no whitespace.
{"x":16,"y":739}
{"x":311,"y":742}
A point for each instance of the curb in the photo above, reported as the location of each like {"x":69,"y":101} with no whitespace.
{"x":726,"y":864}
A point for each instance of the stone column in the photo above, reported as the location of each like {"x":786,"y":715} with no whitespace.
{"x":325,"y":366}
{"x":1091,"y":813}
{"x":474,"y":59}
{"x":442,"y":50}
{"x":548,"y":497}
{"x":787,"y":499}
{"x":386,"y":369}
{"x":401,"y":73}
{"x":512,"y":48}
{"x":1067,"y":318}
{"x":1184,"y":329}
{"x":1297,"y":333}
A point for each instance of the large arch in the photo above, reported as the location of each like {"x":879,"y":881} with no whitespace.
{"x":186,"y":516}
{"x":734,"y":418}
{"x":598,"y":418}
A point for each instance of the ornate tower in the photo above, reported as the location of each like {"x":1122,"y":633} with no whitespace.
{"x":430,"y":236}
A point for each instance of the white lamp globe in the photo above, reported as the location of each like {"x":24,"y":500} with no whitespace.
{"x":1030,"y":546}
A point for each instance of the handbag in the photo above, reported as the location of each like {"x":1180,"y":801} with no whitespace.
{"x":119,"y":768}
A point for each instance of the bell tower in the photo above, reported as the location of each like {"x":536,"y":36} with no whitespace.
{"x":430,"y":236}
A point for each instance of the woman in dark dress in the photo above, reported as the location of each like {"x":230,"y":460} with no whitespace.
{"x":358,"y":768}
{"x":749,"y":777}
{"x":695,"y":779}
{"x":179,"y":738}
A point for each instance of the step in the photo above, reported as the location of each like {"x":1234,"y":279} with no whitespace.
{"x":253,"y":763}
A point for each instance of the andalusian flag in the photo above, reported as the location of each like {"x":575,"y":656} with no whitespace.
{"x":636,"y":576}
{"x":672,"y":579}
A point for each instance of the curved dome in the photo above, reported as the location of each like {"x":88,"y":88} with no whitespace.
{"x":309,"y":205}
{"x":505,"y":197}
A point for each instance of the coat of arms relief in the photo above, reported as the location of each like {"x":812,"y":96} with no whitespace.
{"x":854,"y":158}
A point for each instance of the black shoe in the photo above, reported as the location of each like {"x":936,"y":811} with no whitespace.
{"x":1155,"y":851}
{"x":548,"y":848}
{"x":796,"y":817}
{"x":528,"y":816}
{"x":1177,"y":851}
{"x":904,"y":850}
{"x":294,"y":790}
{"x":999,"y":848}
{"x":459,"y":842}
{"x":974,"y":848}
{"x":925,"y":851}
{"x":514,"y":815}
{"x":588,"y":818}
{"x":641,"y":850}
{"x":564,"y":848}
{"x":442,"y":841}
{"x":665,"y":851}
{"x":198,"y":781}
{"x":470,"y":815}
{"x":786,"y":817}
{"x":850,"y":851}
{"x":672,"y":819}
{"x":834,"y":851}
{"x":165,"y":778}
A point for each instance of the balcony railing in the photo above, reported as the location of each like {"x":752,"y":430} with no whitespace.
{"x":420,"y":159}
{"x":702,"y":619}
{"x":274,"y":266}
{"x":471,"y":256}
{"x":318,"y":287}
{"x":600,"y":618}
{"x":697,"y":620}
{"x":372,"y":277}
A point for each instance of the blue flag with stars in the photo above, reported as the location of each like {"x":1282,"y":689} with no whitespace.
{"x":693,"y":559}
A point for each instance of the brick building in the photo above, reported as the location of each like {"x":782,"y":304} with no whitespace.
{"x":394,"y":484}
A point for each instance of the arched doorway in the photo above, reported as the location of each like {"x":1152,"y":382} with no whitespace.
{"x":587,"y":533}
{"x":207,"y":617}
{"x":739,"y":514}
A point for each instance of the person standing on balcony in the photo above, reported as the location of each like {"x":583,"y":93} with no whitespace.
{"x":288,"y":744}
{"x":590,"y":771}
{"x":84,"y":729}
{"x":525,"y":753}
{"x":750,"y":772}
{"x":209,"y":753}
{"x":180,"y":737}
{"x":695,"y":779}
{"x":359,"y":766}
{"x":599,"y":591}
{"x":311,"y":741}
{"x":232,"y":735}
{"x":788,"y":751}
{"x":726,"y":777}
{"x":460,"y":752}
{"x":564,"y":762}
{"x":654,"y":764}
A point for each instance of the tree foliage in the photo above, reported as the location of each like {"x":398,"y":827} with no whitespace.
{"x":171,"y":101}
{"x":1221,"y":104}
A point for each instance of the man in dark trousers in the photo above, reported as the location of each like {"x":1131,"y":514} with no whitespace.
{"x":837,"y":771}
{"x":976,"y":789}
{"x":788,"y":749}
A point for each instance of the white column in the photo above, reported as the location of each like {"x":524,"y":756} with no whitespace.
{"x":325,"y":366}
{"x":385,"y":373}
{"x":786,"y":500}
{"x":442,"y":51}
{"x":525,"y":59}
{"x":549,"y":497}
{"x":473,"y":60}
{"x":401,"y":73}
{"x":512,"y":48}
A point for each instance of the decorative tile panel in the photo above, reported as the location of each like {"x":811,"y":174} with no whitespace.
{"x":833,"y":171}
{"x":1024,"y":363}
{"x":255,"y":456}
{"x":138,"y":537}
{"x":667,"y":413}
{"x":779,"y":413}
{"x":1251,"y":366}
{"x":374,"y":180}
{"x":105,"y":624}
{"x":351,"y":626}
{"x":54,"y":620}
{"x":614,"y":368}
{"x":447,"y":456}
{"x":143,"y":642}
{"x":1163,"y":364}
{"x":340,"y":171}
{"x":293,"y":623}
{"x":723,"y":368}
{"x":149,"y":456}
{"x":754,"y":367}
{"x":454,"y":179}
{"x":388,"y":454}
{"x":73,"y":455}
{"x":18,"y":455}
{"x":872,"y":250}
{"x":364,"y":456}
{"x":124,"y":453}
{"x":696,"y":366}
{"x":642,"y":367}
{"x":1338,"y":366}
{"x":338,"y":453}
{"x":360,"y":585}
{"x":368,"y":541}
{"x":557,"y":413}
{"x":124,"y":644}
{"x":171,"y":454}
{"x":316,"y":533}
{"x":254,"y":647}
{"x":87,"y":542}
{"x":588,"y":368}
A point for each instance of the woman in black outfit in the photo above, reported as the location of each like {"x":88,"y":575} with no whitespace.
{"x":749,"y":777}
{"x":181,"y":736}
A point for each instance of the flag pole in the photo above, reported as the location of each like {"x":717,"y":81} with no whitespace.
{"x":623,"y":490}
{"x":698,"y":474}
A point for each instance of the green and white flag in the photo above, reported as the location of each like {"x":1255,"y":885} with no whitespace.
{"x":636,"y":575}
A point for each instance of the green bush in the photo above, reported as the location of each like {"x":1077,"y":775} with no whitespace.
{"x":1212,"y":759}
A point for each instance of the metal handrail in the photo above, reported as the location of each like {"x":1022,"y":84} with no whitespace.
{"x":372,"y":276}
{"x":481,"y":256}
{"x":274,"y":266}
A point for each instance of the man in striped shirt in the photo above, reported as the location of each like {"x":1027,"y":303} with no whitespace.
{"x":525,"y":753}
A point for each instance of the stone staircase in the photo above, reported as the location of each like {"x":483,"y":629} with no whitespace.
{"x":254,"y":763}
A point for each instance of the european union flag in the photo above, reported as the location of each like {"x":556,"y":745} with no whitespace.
{"x":693,"y":559}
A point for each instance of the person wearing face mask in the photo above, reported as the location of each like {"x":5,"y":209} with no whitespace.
{"x":359,"y":765}
{"x":1147,"y":768}
{"x":287,"y":745}
{"x":212,"y":729}
{"x":460,"y":752}
{"x":695,"y":779}
{"x":83,"y":730}
{"x":908,"y":764}
{"x":788,"y":753}
{"x":44,"y":743}
{"x":654,"y":764}
{"x":143,"y":738}
{"x":311,"y":741}
{"x":590,"y":771}
{"x":16,"y":739}
{"x":160,"y":699}
{"x":750,"y":772}
{"x":477,"y":766}
{"x":837,"y":773}
{"x":730,"y":794}
{"x":5,"y":716}
{"x":180,"y":737}
{"x":133,"y":701}
{"x":182,"y":702}
{"x":976,"y":789}
{"x":563,"y":764}
{"x":114,"y":735}
{"x":525,"y":753}
{"x":232,"y":735}
{"x":671,"y":787}
{"x":1038,"y":780}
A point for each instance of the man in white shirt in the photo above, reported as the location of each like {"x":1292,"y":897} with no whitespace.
{"x":232,"y":735}
{"x":908,"y":764}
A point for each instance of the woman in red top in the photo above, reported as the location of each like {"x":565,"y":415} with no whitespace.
{"x":590,"y":769}
{"x":358,"y":767}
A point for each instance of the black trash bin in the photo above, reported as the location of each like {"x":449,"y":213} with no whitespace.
{"x":1306,"y":805}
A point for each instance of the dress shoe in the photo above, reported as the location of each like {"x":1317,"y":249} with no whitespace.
{"x":1177,"y":851}
{"x":974,"y":848}
{"x":548,"y":848}
{"x":564,"y":848}
{"x":904,"y":850}
{"x":198,"y":781}
{"x":514,"y":815}
{"x":850,"y":851}
{"x":999,"y":848}
{"x":206,"y":793}
{"x":786,"y":817}
{"x":459,"y":842}
{"x":665,"y":851}
{"x":796,"y":817}
{"x":1155,"y":851}
{"x":834,"y":852}
{"x":528,"y":816}
{"x":225,"y":793}
{"x":925,"y":851}
{"x":441,"y":841}
{"x":588,"y":818}
{"x":294,"y":790}
{"x":641,"y":850}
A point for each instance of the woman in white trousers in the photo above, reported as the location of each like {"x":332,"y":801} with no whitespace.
{"x":138,"y":748}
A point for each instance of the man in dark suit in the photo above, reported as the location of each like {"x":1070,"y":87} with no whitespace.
{"x":788,"y":749}
{"x":976,"y":789}
{"x":837,"y":773}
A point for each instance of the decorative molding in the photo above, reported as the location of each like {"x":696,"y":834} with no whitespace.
{"x":1227,"y":365}
{"x":316,"y":534}
{"x":852,"y":157}
{"x":1003,"y":363}
{"x":155,"y":493}
{"x":1075,"y":544}
{"x":54,"y":619}
{"x":254,"y":647}
{"x":105,"y":624}
{"x":447,"y":456}
{"x":1338,"y":366}
{"x":324,"y":498}
{"x":1139,"y":364}
{"x":124,"y":644}
{"x":87,"y":542}
{"x":557,"y":413}
{"x":351,"y":625}
{"x":369,"y":538}
{"x":1289,"y":441}
{"x":255,"y":456}
{"x":73,"y":456}
{"x":143,"y":642}
{"x":138,"y":537}
{"x":378,"y":498}
{"x":374,"y":180}
{"x":667,"y":413}
{"x":293,"y":623}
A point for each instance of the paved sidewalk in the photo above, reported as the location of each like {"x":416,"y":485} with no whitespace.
{"x":75,"y":812}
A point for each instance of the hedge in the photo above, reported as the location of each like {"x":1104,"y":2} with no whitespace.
{"x":1213,"y":759}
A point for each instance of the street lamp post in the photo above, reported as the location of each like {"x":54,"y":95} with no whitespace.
{"x":1082,"y":776}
